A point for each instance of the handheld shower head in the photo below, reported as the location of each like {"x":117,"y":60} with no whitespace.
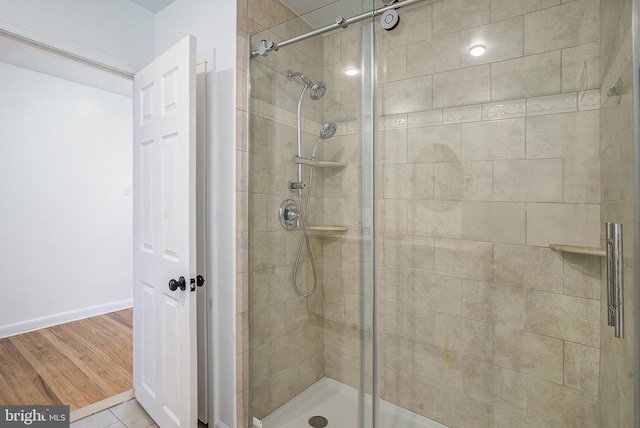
{"x":327,"y":131}
{"x":318,"y":89}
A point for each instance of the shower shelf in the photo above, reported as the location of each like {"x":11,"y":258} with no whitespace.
{"x":591,"y":251}
{"x":327,"y":228}
{"x":329,"y":164}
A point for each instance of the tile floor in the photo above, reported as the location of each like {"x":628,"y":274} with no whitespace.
{"x":129,"y":414}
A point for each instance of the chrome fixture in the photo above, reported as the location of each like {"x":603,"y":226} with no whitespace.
{"x":266,"y":47}
{"x":327,"y":131}
{"x":615,"y":283}
{"x":316,"y":92}
{"x":318,"y":89}
{"x":340,"y":23}
{"x":289,"y":214}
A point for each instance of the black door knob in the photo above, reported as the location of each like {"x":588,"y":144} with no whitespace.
{"x":180,"y":283}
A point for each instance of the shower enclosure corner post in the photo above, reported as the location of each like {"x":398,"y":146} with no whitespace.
{"x":635,"y":309}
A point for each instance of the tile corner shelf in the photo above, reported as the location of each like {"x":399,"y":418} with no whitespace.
{"x":327,"y":228}
{"x":330,"y":164}
{"x":575,"y":249}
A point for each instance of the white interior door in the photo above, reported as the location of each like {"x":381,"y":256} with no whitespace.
{"x":164,"y":330}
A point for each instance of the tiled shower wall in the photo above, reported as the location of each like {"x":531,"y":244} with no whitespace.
{"x":286,"y":334}
{"x":617,"y":365}
{"x":483,"y":163}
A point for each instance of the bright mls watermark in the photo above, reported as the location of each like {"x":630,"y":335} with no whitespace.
{"x":34,"y":416}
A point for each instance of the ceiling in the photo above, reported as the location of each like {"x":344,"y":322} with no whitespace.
{"x":155,"y":5}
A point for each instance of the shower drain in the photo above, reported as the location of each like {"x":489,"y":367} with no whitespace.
{"x":318,"y":421}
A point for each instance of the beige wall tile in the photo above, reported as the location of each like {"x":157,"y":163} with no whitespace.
{"x":393,"y":64}
{"x":493,"y":140}
{"x":465,"y":259}
{"x":406,"y":392}
{"x":528,"y":180}
{"x":501,"y":9}
{"x":559,"y":406}
{"x":464,"y":337}
{"x":465,"y":86}
{"x":426,"y":290}
{"x":435,"y":218}
{"x":570,"y":318}
{"x":503,"y":40}
{"x":427,"y":118}
{"x":504,"y":109}
{"x":582,"y":366}
{"x":582,"y":275}
{"x":563,"y":135}
{"x":493,"y":222}
{"x":617,"y":170}
{"x":408,"y":251}
{"x":433,"y":55}
{"x":392,"y":146}
{"x":568,"y":224}
{"x":464,"y":114}
{"x":528,"y":353}
{"x":405,"y":181}
{"x":418,"y":325}
{"x":406,"y":96}
{"x":529,"y":267}
{"x":529,"y":76}
{"x":463,"y":181}
{"x":496,"y":386}
{"x":458,"y":410}
{"x":550,"y":104}
{"x":497,"y":304}
{"x":393,"y":216}
{"x":567,"y":25}
{"x":434,"y":144}
{"x":582,"y":180}
{"x":581,"y":67}
{"x":456,"y":15}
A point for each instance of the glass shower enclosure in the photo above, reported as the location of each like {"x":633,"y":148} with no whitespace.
{"x":427,"y":211}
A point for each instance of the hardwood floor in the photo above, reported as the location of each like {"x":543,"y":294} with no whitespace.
{"x":78,"y":363}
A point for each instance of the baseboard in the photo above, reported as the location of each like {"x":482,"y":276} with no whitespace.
{"x":105,"y":404}
{"x":51,"y":320}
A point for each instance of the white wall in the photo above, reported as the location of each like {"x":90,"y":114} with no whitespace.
{"x":65,"y":224}
{"x":214,"y":25}
{"x":118,"y":29}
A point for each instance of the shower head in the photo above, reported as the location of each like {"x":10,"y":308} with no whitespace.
{"x":328,"y":130}
{"x":318,"y":89}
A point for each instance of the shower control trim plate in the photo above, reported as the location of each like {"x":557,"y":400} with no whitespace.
{"x":289,"y":214}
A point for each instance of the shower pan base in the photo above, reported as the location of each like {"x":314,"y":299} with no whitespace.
{"x":338,"y":403}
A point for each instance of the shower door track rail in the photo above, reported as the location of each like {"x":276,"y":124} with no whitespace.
{"x":268,"y":46}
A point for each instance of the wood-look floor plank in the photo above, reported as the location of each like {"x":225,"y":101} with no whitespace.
{"x":62,"y":377}
{"x":110,"y":362}
{"x":19,"y":382}
{"x":78,"y":363}
{"x":124,"y":317}
{"x":100,"y":376}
